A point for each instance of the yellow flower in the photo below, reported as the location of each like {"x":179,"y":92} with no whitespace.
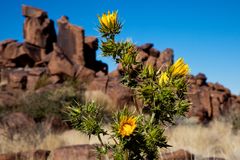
{"x":163,"y":79}
{"x":179,"y":68}
{"x":127,"y":125}
{"x":108,"y":20}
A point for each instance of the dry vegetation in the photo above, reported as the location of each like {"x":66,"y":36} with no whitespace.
{"x":100,"y":98}
{"x":37,"y":140}
{"x":215,"y":140}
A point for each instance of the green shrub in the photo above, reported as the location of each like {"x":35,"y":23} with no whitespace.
{"x":137,"y":135}
{"x":48,"y":103}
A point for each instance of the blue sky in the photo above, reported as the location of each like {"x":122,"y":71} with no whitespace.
{"x":205,"y":32}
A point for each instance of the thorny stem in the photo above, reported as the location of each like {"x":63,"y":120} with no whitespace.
{"x":114,"y":139}
{"x":102,"y":144}
{"x":100,"y":139}
{"x":112,"y":37}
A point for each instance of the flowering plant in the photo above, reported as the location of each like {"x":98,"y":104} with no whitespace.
{"x":136,"y":135}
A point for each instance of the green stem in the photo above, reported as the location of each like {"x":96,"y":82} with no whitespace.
{"x":102,"y":144}
{"x":114,"y":140}
{"x":100,"y":139}
{"x":112,"y":37}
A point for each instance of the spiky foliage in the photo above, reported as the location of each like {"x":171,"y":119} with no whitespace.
{"x":86,"y":118}
{"x":137,"y":136}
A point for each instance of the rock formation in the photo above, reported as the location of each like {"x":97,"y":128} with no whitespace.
{"x":70,"y":53}
{"x":71,"y":40}
{"x":210,"y":100}
{"x":38,"y":29}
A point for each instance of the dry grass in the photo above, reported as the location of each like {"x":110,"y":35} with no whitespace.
{"x":100,"y":98}
{"x":20,"y":142}
{"x":37,"y":140}
{"x":26,"y":140}
{"x":104,"y":100}
{"x":214,"y":140}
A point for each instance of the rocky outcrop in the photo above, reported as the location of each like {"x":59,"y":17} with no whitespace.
{"x":71,"y":40}
{"x":165,"y":59}
{"x":29,"y":155}
{"x":210,"y":100}
{"x":80,"y":49}
{"x":119,"y":94}
{"x":84,"y":74}
{"x":18,"y":79}
{"x":88,"y":152}
{"x":50,"y":57}
{"x":7,"y":99}
{"x":78,"y":152}
{"x":38,"y":29}
{"x":17,"y":123}
{"x":184,"y":155}
{"x":149,"y":55}
{"x":33,"y":77}
{"x":59,"y":63}
{"x":14,"y":54}
{"x":54,"y":124}
{"x":43,"y":53}
{"x":177,"y":155}
{"x":9,"y":49}
{"x":72,"y":54}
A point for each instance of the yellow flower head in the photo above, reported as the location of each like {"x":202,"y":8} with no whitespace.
{"x":163,"y":79}
{"x":108,"y":20}
{"x":127,"y":125}
{"x":179,"y":68}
